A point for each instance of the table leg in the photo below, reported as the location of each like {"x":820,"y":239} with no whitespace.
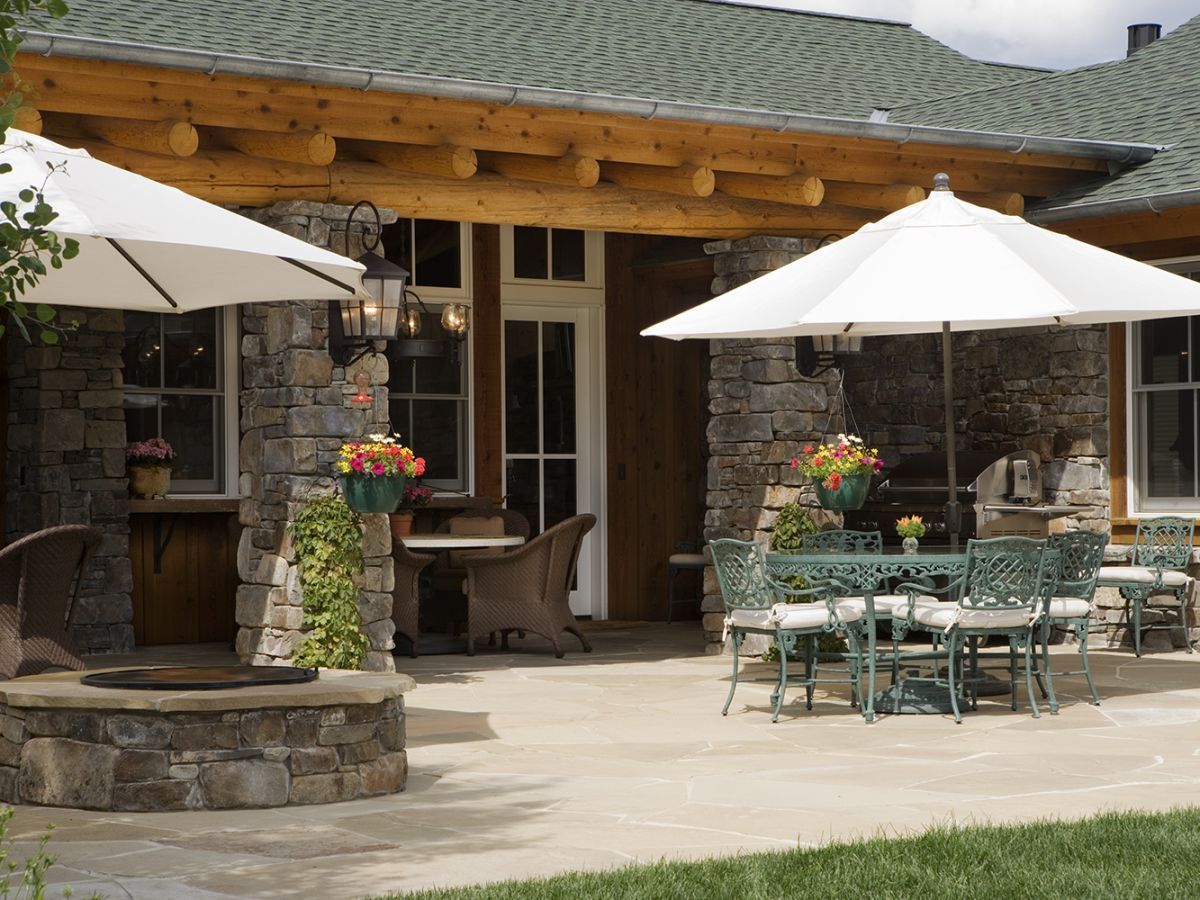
{"x":869,"y":704}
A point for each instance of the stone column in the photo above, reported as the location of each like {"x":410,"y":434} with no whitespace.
{"x":66,"y":461}
{"x":295,"y":414}
{"x":762,"y":411}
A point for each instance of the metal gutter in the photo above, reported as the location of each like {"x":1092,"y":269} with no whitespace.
{"x":213,"y":63}
{"x":1119,"y":207}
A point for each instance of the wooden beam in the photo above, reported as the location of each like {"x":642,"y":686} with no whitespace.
{"x":801,"y":190}
{"x":28,"y":119}
{"x":170,"y":137}
{"x":1130,"y":230}
{"x":234,"y":178}
{"x":446,"y":161}
{"x":887,"y":197}
{"x":687,"y":180}
{"x":311,"y":148}
{"x":1008,"y":202}
{"x":570,"y":170}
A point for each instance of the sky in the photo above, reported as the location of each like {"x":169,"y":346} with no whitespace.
{"x":1057,"y":34}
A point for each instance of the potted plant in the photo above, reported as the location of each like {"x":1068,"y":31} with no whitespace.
{"x":149,"y":464}
{"x":373,"y":472}
{"x":414,"y":497}
{"x":911,"y":528}
{"x":841,"y":470}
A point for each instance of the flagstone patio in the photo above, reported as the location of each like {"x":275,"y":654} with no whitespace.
{"x":523,"y":765}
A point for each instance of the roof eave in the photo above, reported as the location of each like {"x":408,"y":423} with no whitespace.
{"x":212,"y":63}
{"x":1120,"y":206}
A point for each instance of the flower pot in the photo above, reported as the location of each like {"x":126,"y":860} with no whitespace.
{"x":850,"y":494}
{"x":372,"y":493}
{"x":910,"y":545}
{"x":148,"y":482}
{"x":401,"y":524}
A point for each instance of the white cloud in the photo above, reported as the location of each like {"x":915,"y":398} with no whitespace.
{"x":1056,"y":33}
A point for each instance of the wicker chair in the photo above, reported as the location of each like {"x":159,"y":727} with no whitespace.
{"x":406,"y":593}
{"x":39,"y":584}
{"x":529,"y":588}
{"x":450,"y":574}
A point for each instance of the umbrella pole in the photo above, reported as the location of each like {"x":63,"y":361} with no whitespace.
{"x":953,"y":512}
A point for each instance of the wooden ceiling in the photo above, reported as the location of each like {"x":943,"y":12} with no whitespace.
{"x":236,"y":140}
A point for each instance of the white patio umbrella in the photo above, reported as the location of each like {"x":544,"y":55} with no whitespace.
{"x":146,"y":246}
{"x":940,"y":265}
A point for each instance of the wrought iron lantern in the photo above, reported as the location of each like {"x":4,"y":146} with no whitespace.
{"x":357,"y":322}
{"x":818,"y":354}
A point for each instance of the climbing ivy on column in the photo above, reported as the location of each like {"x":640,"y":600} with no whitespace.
{"x":328,"y":538}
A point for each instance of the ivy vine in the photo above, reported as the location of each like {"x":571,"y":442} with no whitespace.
{"x":328,"y":538}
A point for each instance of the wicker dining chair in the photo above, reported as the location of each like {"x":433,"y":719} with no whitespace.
{"x":406,"y":592}
{"x":529,"y":588}
{"x":40,"y":577}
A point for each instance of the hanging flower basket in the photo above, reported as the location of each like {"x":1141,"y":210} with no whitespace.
{"x":850,"y":493}
{"x":372,"y":494}
{"x":373,"y":473}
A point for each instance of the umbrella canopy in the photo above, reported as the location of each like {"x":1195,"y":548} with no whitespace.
{"x":937,"y":261}
{"x":940,"y":265}
{"x":146,"y":246}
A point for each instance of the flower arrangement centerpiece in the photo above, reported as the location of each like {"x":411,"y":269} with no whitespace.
{"x":149,"y":464}
{"x":373,"y":472}
{"x":911,"y":528}
{"x":414,"y":497}
{"x":841,"y":470}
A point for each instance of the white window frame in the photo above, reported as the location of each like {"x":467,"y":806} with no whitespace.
{"x":460,"y":294}
{"x":1136,"y":463}
{"x":551,"y":290}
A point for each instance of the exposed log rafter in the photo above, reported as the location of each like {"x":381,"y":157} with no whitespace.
{"x":313,"y":148}
{"x":687,"y":180}
{"x":446,"y":161}
{"x":168,"y":136}
{"x":570,"y":170}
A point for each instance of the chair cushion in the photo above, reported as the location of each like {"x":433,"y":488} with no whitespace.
{"x":943,"y":615}
{"x":1142,"y":575}
{"x":812,"y":615}
{"x":750,"y":618}
{"x":488,"y":526}
{"x":886,"y":605}
{"x":1069,"y":608}
{"x":687,"y":560}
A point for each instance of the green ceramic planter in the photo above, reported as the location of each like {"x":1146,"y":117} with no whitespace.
{"x":372,"y":493}
{"x":851,"y":493}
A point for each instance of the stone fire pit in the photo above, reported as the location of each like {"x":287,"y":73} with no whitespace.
{"x":63,"y":743}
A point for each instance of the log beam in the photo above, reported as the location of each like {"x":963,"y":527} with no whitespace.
{"x":169,"y":137}
{"x":311,"y":148}
{"x":687,"y":180}
{"x":27,"y":119}
{"x":799,"y":190}
{"x":1008,"y":202}
{"x":445,"y":161}
{"x":886,"y":197}
{"x":570,"y":170}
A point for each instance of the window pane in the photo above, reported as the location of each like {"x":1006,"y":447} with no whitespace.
{"x":438,"y":435}
{"x":567,"y":248}
{"x":529,"y":252}
{"x":190,"y":347}
{"x":521,"y":387}
{"x":400,"y":369}
{"x":400,"y":419}
{"x":1164,"y":345}
{"x":142,"y":356}
{"x":558,"y":392}
{"x":1170,"y":443}
{"x":189,"y":425}
{"x":438,"y":254}
{"x":397,"y":243}
{"x":522,"y":491}
{"x":560,"y":490}
{"x":141,"y":417}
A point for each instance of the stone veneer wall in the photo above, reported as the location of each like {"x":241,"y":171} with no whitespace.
{"x":296,"y":413}
{"x":66,"y":461}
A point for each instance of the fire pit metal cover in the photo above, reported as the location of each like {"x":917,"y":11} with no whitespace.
{"x":200,"y":678}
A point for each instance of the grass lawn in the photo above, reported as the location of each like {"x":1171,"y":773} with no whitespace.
{"x":1115,"y":855}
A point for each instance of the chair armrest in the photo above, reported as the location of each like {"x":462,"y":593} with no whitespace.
{"x":913,"y":589}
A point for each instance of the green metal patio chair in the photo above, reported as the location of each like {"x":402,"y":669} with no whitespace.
{"x":754,"y":605}
{"x":1159,"y":558}
{"x":1002,"y":593}
{"x":1072,"y":601}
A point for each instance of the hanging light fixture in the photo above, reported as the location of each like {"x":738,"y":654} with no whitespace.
{"x":357,"y":322}
{"x":456,"y":320}
{"x":818,"y":354}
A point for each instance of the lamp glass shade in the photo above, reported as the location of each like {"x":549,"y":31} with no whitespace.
{"x":456,"y":320}
{"x":376,"y":318}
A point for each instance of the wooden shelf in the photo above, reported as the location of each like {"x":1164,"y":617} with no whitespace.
{"x":181,"y":505}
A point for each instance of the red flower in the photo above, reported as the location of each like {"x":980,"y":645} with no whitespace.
{"x":834,"y":481}
{"x":795,"y":463}
{"x":818,"y":461}
{"x":808,"y":448}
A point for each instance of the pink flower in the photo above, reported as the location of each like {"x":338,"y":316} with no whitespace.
{"x":378,"y":468}
{"x":878,"y":464}
{"x":795,"y":463}
{"x":837,"y":454}
{"x":356,"y":464}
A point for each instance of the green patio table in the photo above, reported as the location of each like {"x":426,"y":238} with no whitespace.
{"x":865,"y":574}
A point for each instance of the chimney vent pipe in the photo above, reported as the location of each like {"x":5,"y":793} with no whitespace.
{"x":1141,"y":35}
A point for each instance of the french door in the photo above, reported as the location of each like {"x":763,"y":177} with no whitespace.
{"x":552,"y":429}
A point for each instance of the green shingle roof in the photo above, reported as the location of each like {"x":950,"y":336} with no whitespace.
{"x":690,"y":51}
{"x":1151,"y":97}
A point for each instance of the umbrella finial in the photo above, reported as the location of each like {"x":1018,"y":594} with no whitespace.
{"x":941,"y":182}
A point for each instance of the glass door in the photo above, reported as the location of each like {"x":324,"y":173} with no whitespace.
{"x":547,"y":463}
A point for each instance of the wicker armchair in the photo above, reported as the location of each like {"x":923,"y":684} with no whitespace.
{"x":39,"y":583}
{"x":406,"y":593}
{"x":529,"y":588}
{"x":450,"y":574}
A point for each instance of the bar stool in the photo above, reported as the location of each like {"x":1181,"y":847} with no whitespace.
{"x":676,"y":563}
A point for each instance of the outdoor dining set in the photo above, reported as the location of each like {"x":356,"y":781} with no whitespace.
{"x":821,"y":608}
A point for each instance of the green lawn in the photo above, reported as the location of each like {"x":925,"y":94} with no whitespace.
{"x":1118,"y":855}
